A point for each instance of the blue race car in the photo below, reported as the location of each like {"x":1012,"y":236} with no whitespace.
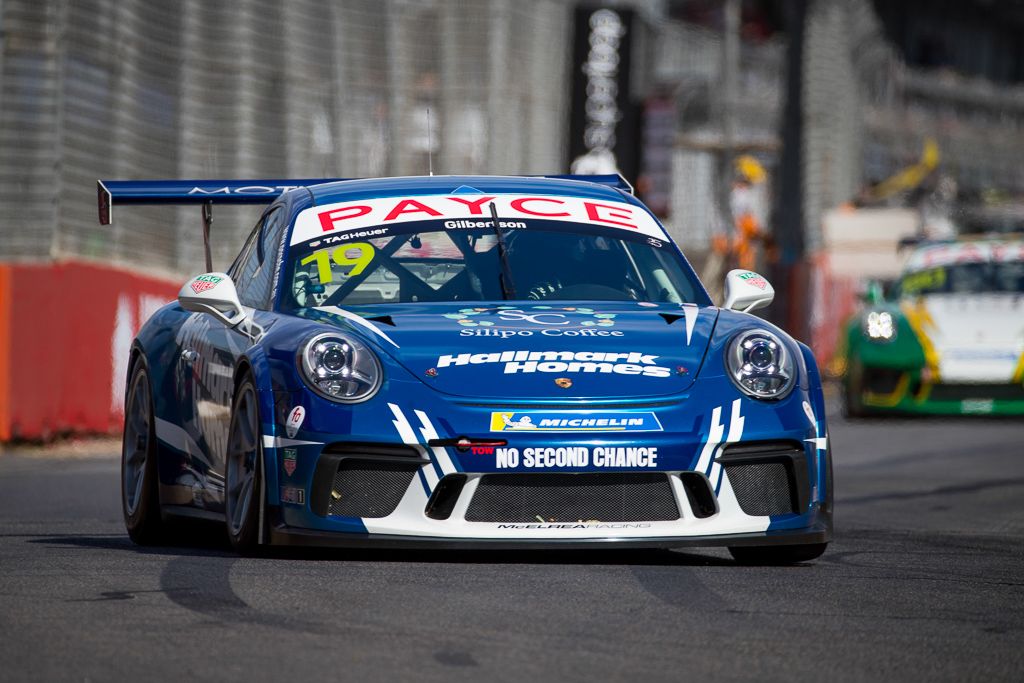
{"x":455,"y":361}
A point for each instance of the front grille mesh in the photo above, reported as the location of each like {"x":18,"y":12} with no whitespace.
{"x":369,"y":488}
{"x":762,"y":488}
{"x":563,"y":497}
{"x":882,"y":380}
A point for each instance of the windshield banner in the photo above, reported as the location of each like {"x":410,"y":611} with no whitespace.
{"x":471,"y":211}
{"x":965,"y":252}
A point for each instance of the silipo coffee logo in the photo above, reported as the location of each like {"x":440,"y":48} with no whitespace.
{"x":548,"y":321}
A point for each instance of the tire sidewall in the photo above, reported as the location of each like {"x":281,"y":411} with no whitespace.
{"x":248,"y":537}
{"x":853,"y":402}
{"x":147,"y":507}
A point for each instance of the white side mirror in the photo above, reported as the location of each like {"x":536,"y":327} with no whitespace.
{"x":745,"y":290}
{"x":213,"y":293}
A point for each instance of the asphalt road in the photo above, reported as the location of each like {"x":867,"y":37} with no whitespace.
{"x":925,"y":581}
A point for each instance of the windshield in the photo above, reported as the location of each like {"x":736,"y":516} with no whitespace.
{"x":458,"y":260}
{"x":965,"y":278}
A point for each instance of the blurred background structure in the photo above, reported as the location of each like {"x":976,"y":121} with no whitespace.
{"x":799,"y":137}
{"x":259,"y":89}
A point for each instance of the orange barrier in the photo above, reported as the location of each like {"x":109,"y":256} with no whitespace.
{"x":5,"y":352}
{"x":834,"y":300}
{"x":65,"y":334}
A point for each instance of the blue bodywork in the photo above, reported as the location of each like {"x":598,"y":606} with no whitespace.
{"x":686,"y":416}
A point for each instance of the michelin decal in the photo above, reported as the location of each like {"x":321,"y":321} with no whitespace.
{"x":546,"y":421}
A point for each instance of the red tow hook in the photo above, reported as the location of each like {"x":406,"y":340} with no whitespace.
{"x":464,"y":443}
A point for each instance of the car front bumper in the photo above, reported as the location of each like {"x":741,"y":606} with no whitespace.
{"x":906,"y":391}
{"x":692,"y":440}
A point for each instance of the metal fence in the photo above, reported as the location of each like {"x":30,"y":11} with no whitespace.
{"x":259,"y":88}
{"x":691,"y":59}
{"x":868,"y":115}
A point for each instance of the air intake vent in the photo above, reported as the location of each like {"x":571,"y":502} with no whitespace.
{"x":563,"y":497}
{"x":445,"y":496}
{"x":761,"y":488}
{"x":699,"y":495}
{"x":369,"y":488}
{"x":362,"y":479}
{"x":768,"y":478}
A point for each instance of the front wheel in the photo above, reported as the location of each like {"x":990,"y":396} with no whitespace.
{"x":243,"y":477}
{"x":777,"y":554}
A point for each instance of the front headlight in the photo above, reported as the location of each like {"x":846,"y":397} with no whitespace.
{"x":340,"y":368}
{"x":760,"y":365}
{"x":880,"y":326}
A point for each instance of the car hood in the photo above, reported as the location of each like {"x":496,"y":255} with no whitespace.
{"x":560,"y":350}
{"x":975,"y":337}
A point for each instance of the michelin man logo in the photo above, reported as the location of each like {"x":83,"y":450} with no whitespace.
{"x":525,"y":422}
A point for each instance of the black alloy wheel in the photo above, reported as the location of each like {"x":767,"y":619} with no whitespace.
{"x":243,"y":485}
{"x":140,"y":496}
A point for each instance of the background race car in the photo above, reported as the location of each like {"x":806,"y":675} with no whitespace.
{"x":949,"y":338}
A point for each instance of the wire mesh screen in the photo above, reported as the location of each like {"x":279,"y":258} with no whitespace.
{"x":259,"y":88}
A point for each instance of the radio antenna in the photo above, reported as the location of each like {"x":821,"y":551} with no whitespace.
{"x":430,"y":146}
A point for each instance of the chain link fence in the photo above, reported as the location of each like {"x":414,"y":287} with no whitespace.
{"x":701,"y":195}
{"x":868,"y":116}
{"x":258,"y":88}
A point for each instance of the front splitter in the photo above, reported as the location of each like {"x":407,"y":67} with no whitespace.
{"x":285,"y":536}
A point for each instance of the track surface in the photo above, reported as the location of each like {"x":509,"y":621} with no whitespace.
{"x":925,"y":581}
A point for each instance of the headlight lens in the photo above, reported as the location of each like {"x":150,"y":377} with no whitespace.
{"x":880,"y":326}
{"x":340,"y":368}
{"x":760,"y":365}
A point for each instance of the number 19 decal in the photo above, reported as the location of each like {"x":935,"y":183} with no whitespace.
{"x":358,"y":255}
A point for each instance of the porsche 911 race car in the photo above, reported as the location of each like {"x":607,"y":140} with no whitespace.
{"x":950,"y":340}
{"x":489,"y":362}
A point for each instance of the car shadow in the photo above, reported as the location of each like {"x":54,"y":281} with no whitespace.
{"x":191,"y":539}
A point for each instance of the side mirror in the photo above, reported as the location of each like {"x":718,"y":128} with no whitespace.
{"x":213,"y":293}
{"x":745,"y":290}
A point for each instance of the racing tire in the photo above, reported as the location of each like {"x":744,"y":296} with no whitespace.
{"x":853,"y":407}
{"x":243,"y":471}
{"x":777,"y":554}
{"x":853,"y":401}
{"x":140,"y":493}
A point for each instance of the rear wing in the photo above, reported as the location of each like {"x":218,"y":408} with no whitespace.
{"x":206,"y":193}
{"x":264,"y":191}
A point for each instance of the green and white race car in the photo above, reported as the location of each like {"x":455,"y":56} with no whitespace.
{"x":948,"y":340}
